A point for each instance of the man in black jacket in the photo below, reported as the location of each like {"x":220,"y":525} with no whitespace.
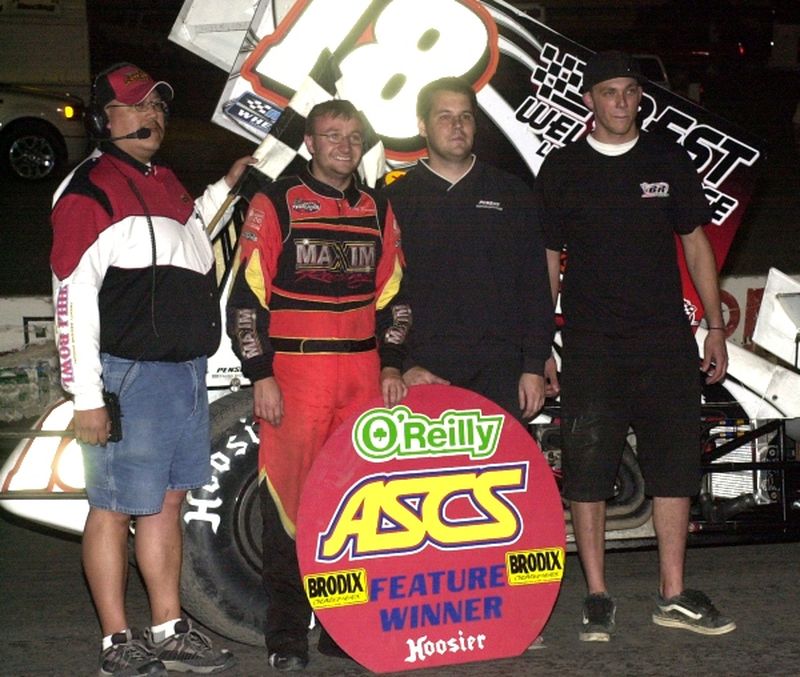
{"x":476,"y":269}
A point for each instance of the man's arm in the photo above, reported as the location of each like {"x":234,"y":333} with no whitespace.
{"x":554,"y":272}
{"x":79,"y":259}
{"x":247,"y":309}
{"x":217,"y":194}
{"x":393,"y":317}
{"x":702,"y":267}
{"x":552,"y":386}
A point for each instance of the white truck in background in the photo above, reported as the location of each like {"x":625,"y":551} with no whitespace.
{"x":45,"y":82}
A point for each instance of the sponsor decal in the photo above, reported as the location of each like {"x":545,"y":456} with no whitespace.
{"x":535,"y":566}
{"x":255,"y":219}
{"x":489,"y":204}
{"x":252,"y":112}
{"x":63,"y":312}
{"x":336,"y":588}
{"x":381,"y":434}
{"x":330,"y":255}
{"x":434,"y":530}
{"x":658,"y":189}
{"x":305,"y":206}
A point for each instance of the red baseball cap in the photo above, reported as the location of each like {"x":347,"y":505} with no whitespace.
{"x":127,"y":84}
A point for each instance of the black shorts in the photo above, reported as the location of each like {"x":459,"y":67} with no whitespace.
{"x":656,"y":392}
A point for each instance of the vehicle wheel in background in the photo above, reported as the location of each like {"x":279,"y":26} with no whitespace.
{"x":31,"y":150}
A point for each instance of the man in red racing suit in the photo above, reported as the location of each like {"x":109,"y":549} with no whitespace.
{"x":316,"y":321}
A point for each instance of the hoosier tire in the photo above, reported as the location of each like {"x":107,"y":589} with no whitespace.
{"x":221,"y":574}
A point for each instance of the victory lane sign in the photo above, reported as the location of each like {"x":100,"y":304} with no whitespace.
{"x":431,"y":533}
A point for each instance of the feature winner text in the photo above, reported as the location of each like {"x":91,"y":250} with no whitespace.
{"x":471,"y":599}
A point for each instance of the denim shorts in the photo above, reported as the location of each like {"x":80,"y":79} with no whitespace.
{"x":165,"y":436}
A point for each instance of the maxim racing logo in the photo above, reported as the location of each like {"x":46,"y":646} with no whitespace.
{"x":324,"y":255}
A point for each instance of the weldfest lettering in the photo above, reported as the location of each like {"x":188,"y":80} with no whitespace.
{"x":556,"y":115}
{"x":535,"y":566}
{"x":336,"y":588}
{"x":384,"y":434}
{"x":384,"y":515}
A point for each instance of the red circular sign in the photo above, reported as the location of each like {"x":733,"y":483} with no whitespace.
{"x":431,"y":533}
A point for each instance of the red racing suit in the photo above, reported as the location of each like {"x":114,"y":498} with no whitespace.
{"x":316,"y":303}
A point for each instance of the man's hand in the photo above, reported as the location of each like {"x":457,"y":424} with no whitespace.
{"x":268,"y":400}
{"x":237,"y":169}
{"x":551,"y":385}
{"x":420,"y":376}
{"x":92,"y":426}
{"x":531,"y":394}
{"x":715,"y":357}
{"x":393,"y":388}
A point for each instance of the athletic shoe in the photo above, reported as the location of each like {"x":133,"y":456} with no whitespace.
{"x":537,"y":644}
{"x":287,"y":662}
{"x":189,"y":650}
{"x":128,"y":656}
{"x":691,"y":610}
{"x":599,"y":612}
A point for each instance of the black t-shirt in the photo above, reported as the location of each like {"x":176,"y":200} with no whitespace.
{"x":617,"y":217}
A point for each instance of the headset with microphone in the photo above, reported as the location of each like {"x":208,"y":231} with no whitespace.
{"x":141,"y":133}
{"x":96,"y":118}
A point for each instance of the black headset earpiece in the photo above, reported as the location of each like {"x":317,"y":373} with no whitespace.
{"x":95,"y":120}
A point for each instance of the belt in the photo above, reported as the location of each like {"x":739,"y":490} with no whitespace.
{"x":291,"y":345}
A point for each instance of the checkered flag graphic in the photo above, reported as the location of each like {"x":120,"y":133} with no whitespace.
{"x":285,"y":140}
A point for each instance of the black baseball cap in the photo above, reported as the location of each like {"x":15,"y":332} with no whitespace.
{"x":604,"y":66}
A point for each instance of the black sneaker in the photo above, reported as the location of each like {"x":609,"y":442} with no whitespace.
{"x":128,"y":656}
{"x":287,"y":662}
{"x":691,"y":610}
{"x":599,"y":613}
{"x":189,"y":650}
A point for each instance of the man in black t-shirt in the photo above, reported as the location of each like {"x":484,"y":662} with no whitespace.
{"x":615,"y":202}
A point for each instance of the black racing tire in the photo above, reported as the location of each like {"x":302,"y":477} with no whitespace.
{"x":221,"y":574}
{"x":31,"y":150}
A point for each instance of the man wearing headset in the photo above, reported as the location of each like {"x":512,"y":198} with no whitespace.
{"x":137,"y":314}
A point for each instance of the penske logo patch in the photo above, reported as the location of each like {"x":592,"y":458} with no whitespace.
{"x":336,"y":589}
{"x":527,"y":567}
